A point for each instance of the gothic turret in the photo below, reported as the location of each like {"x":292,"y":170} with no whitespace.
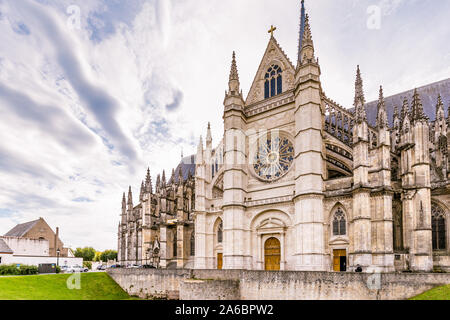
{"x":420,"y":243}
{"x":361,"y":194}
{"x":309,"y":117}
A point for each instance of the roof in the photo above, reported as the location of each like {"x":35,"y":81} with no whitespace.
{"x":21,"y":229}
{"x":187,"y":165}
{"x":4,"y":248}
{"x":428,"y":95}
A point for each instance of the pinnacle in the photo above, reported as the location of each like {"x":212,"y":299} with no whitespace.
{"x":417,"y":106}
{"x":440,"y":104}
{"x":307,"y":36}
{"x":360,"y":100}
{"x":234,"y":75}
{"x":382,"y":115}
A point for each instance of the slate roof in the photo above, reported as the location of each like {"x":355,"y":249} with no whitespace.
{"x":4,"y":248}
{"x":428,"y":95}
{"x":188,"y":165}
{"x":21,"y":229}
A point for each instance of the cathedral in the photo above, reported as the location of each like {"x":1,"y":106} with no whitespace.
{"x":299,"y":182}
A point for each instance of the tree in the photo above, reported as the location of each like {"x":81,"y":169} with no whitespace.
{"x":108,"y":255}
{"x":88,"y":253}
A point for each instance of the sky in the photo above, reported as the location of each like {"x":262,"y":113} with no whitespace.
{"x":94,"y":92}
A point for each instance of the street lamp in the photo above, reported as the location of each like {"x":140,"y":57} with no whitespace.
{"x":57,"y":257}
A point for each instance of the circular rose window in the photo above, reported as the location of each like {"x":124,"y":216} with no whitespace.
{"x":274,"y":158}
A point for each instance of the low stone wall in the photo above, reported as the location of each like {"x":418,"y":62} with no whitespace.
{"x":262,"y":285}
{"x":209,"y":290}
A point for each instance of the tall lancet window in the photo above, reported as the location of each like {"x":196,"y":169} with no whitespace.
{"x":220,"y":233}
{"x":175,"y":253}
{"x":339,"y":223}
{"x":273,"y":84}
{"x":193,"y":244}
{"x":439,"y":232}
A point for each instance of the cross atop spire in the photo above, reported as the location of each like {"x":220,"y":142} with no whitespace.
{"x":272,"y":30}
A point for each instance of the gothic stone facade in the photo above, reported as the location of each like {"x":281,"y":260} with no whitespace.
{"x":301,"y":183}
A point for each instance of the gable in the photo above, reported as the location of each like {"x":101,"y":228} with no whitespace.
{"x":21,"y":229}
{"x":274,"y":55}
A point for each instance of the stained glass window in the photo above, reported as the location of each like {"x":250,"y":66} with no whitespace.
{"x":220,"y":233}
{"x":193,"y":244}
{"x":175,"y":253}
{"x":274,"y":158}
{"x":438,"y":224}
{"x":339,"y":223}
{"x":273,"y":84}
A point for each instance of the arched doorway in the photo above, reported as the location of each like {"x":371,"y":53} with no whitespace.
{"x":272,"y":254}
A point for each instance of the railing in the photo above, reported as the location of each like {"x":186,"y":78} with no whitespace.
{"x":339,"y":123}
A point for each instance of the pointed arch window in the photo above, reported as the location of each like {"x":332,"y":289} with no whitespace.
{"x":439,"y":230}
{"x":339,"y":223}
{"x":193,"y":244}
{"x":398,"y":229}
{"x":175,"y":253}
{"x":220,"y":233}
{"x":273,"y":84}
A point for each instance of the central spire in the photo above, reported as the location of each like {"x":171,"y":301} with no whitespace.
{"x":302,"y":31}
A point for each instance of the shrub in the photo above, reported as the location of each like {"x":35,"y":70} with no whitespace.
{"x":87,"y":264}
{"x":27,"y":270}
{"x":12,"y":270}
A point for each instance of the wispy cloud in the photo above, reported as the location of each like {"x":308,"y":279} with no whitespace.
{"x":85,"y":111}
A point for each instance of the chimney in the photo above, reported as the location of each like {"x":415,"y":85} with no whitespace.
{"x":56,"y":239}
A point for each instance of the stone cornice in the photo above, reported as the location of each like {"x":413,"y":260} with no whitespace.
{"x":270,"y":104}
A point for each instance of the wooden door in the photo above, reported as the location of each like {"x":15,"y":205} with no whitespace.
{"x":219,"y":261}
{"x":338,"y":260}
{"x":272,"y":254}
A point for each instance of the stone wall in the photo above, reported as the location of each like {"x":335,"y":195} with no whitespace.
{"x":261,"y":285}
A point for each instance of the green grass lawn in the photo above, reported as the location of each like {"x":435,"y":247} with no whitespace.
{"x":439,"y":293}
{"x":94,"y":286}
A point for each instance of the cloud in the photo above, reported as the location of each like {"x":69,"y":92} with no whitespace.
{"x":86,"y":111}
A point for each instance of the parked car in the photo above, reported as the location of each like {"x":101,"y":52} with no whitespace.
{"x":76,"y":269}
{"x":64,"y":269}
{"x":101,"y":268}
